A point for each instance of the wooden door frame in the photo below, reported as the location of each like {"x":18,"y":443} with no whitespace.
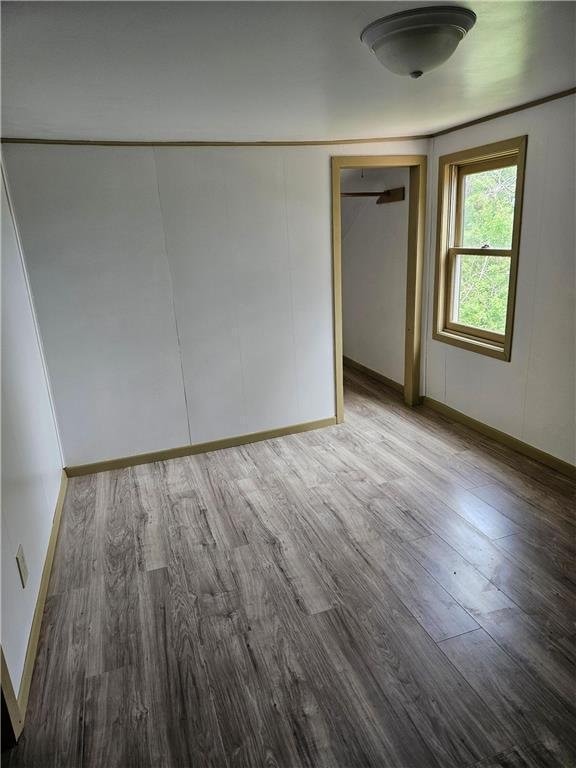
{"x":415,"y":266}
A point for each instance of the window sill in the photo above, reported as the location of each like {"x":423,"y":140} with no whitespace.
{"x":481,"y":346}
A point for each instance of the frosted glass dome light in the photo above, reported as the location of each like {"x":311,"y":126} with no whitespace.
{"x":419,"y":40}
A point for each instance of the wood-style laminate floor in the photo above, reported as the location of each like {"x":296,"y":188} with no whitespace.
{"x":394,"y":592}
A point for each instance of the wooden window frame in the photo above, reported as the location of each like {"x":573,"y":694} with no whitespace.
{"x":452,"y":171}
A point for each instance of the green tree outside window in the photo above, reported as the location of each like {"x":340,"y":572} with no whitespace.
{"x":488,"y":215}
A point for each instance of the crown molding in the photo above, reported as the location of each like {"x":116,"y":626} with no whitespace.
{"x":509,"y":111}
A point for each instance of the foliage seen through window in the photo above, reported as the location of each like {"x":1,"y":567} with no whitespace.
{"x":481,"y":282}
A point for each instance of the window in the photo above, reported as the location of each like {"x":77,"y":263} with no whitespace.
{"x":479,"y":215}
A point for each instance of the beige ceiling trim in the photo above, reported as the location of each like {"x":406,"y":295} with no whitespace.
{"x":317,"y":143}
{"x":509,"y":111}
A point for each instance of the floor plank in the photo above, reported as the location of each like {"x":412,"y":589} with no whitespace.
{"x":533,"y":517}
{"x":542,"y":597}
{"x":529,"y":711}
{"x":71,"y":569}
{"x":550,"y":754}
{"x":115,"y":728}
{"x":53,"y":732}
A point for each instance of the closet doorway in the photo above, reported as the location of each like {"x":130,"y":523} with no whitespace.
{"x":415,"y":166}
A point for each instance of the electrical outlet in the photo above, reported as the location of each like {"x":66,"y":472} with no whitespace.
{"x":22,"y":567}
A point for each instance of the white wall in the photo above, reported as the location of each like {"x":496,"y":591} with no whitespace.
{"x":533,"y":396}
{"x":184,"y":294}
{"x":374,"y":257}
{"x":31,"y":459}
{"x":93,"y":241}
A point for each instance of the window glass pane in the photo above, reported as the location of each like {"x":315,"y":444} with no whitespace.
{"x":488,"y":208}
{"x":480,"y":291}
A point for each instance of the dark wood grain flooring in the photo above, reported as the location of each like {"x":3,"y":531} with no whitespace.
{"x":396,"y":592}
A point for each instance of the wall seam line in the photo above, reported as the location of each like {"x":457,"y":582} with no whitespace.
{"x":290,"y":286}
{"x":235,"y":304}
{"x":172,"y":294}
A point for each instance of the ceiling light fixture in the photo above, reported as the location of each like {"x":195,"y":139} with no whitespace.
{"x":419,"y":40}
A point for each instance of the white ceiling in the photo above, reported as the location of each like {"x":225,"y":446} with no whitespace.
{"x":253,"y":71}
